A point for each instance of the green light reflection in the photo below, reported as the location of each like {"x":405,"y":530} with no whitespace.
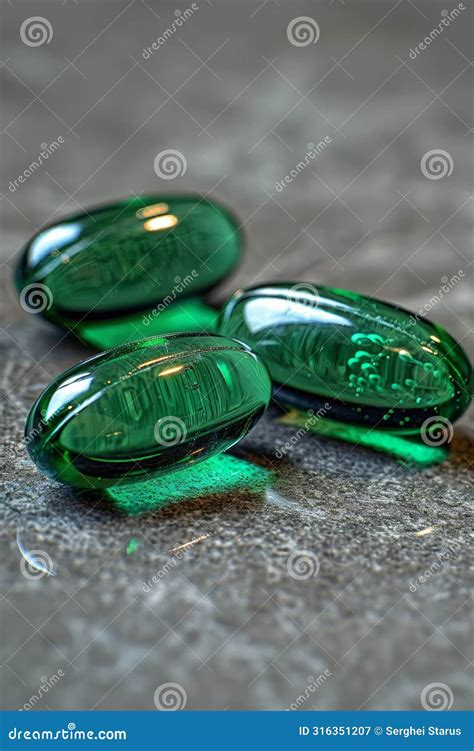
{"x":411,"y":450}
{"x":183,"y":316}
{"x":219,"y":474}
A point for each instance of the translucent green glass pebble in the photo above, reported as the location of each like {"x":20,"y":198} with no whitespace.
{"x":150,"y":407}
{"x":127,"y":256}
{"x":363,"y":361}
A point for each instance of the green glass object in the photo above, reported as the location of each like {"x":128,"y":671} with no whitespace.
{"x":190,"y":314}
{"x":127,"y":256}
{"x":150,"y":407}
{"x":371,"y":362}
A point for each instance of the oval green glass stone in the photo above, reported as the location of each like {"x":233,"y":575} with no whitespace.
{"x":128,"y":256}
{"x":373,"y":363}
{"x":149,"y":407}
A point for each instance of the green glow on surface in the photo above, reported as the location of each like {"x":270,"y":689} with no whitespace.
{"x":220,"y":474}
{"x":132,"y":546}
{"x":408,"y":449}
{"x":182,"y":316}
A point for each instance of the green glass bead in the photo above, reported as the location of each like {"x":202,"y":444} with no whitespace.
{"x":150,"y":407}
{"x":361,"y":360}
{"x":127,"y":256}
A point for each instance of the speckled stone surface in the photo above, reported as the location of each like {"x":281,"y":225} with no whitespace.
{"x":226,"y":619}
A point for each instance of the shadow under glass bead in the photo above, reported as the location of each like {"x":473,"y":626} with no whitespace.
{"x":149,"y":407}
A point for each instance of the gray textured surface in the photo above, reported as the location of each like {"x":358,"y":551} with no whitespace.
{"x":227,"y":622}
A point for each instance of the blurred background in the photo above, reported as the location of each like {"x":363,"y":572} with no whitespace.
{"x":244,"y":92}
